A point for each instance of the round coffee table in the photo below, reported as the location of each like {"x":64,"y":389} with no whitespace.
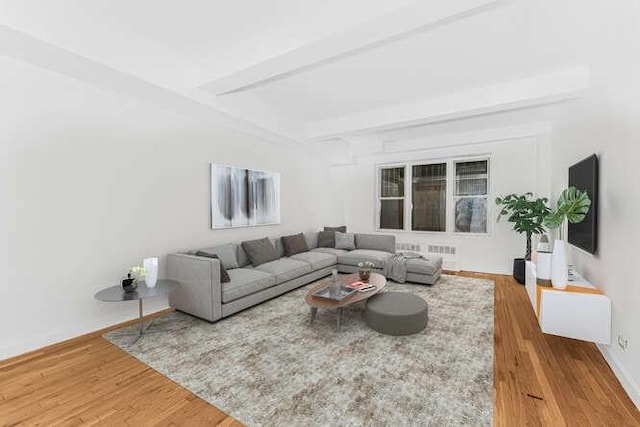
{"x":117,"y":294}
{"x":315,"y":303}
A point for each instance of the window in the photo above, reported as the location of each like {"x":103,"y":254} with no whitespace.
{"x":472,"y":182}
{"x":392,"y":198}
{"x":429,"y":197}
{"x":446,"y":196}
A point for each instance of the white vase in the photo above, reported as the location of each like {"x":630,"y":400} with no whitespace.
{"x":559,"y":267}
{"x":151,"y":271}
{"x":543,"y":266}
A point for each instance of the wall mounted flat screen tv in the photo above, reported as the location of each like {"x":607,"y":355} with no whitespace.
{"x":584,"y":176}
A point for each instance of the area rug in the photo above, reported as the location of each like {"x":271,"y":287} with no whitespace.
{"x":268,"y":366}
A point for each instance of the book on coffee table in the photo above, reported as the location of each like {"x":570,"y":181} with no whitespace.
{"x":357,"y":285}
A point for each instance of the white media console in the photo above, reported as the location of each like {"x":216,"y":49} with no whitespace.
{"x":580,"y":311}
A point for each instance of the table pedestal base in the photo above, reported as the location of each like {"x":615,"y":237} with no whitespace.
{"x":142,"y":329}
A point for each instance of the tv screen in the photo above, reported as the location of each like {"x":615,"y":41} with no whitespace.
{"x":584,"y":176}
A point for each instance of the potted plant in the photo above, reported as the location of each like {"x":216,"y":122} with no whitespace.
{"x":573,"y":205}
{"x":528,"y":216}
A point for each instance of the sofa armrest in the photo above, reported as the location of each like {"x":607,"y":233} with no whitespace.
{"x":200,"y":291}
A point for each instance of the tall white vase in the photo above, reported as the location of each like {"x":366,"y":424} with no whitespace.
{"x":559,"y":267}
{"x":543,"y":267}
{"x":151,"y":271}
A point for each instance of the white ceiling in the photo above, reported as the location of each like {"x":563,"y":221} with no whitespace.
{"x":495,"y":46}
{"x":182,"y":47}
{"x":224,"y":36}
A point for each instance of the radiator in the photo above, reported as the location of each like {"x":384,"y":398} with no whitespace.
{"x":449,"y":253}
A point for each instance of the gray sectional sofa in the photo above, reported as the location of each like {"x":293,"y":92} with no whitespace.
{"x":202,"y":294}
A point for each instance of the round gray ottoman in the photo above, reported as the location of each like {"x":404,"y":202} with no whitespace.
{"x":396,"y":313}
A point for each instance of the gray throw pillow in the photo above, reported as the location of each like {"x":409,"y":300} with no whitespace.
{"x":326,"y":239}
{"x":260,"y":251}
{"x":224,"y":276}
{"x":243,"y":259}
{"x":226,"y":253}
{"x":345,"y":241}
{"x":294,"y":244}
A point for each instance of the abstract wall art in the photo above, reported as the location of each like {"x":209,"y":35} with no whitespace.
{"x":243,"y":197}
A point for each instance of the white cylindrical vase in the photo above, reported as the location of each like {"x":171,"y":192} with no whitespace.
{"x":543,"y":267}
{"x":559,"y":267}
{"x":151,"y":271}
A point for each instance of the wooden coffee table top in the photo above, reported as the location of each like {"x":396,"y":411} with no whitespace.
{"x":376,"y":279}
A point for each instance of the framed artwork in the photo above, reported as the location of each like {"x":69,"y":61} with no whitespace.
{"x":243,"y":197}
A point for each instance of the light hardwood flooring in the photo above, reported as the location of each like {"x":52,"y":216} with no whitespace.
{"x":538,"y":380}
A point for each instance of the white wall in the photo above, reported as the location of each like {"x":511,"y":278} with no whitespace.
{"x":514,"y":169}
{"x":608,"y":124}
{"x":91,"y":182}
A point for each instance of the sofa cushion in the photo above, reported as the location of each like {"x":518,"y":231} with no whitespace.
{"x":285,"y":269}
{"x":317,"y":259}
{"x":260,"y":251}
{"x":378,"y":258}
{"x":332,"y":251}
{"x":376,"y":242}
{"x":245,"y":281}
{"x":345,"y":241}
{"x":326,"y":239}
{"x":424,"y":265}
{"x":224,"y":276}
{"x":226,"y":253}
{"x":294,"y":244}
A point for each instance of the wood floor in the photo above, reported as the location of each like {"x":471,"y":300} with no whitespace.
{"x":538,"y":380}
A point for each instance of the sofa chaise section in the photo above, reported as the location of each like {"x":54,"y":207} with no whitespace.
{"x":424,"y":270}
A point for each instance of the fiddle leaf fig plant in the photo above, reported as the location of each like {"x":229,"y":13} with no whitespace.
{"x":527,"y":215}
{"x":573,"y":205}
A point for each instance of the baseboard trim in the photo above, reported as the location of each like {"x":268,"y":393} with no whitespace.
{"x":78,"y":338}
{"x":629,"y":385}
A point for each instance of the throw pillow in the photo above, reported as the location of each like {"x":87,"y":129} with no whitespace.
{"x":294,"y":244}
{"x":341,"y":229}
{"x":226,"y":253}
{"x":224,"y":276}
{"x":326,"y":239}
{"x":345,"y":241}
{"x":260,"y":251}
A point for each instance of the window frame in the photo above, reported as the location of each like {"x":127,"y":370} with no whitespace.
{"x":450,"y":195}
{"x":486,"y":196}
{"x":379,"y":197}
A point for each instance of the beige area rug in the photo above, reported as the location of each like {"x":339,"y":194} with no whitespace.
{"x":268,"y":366}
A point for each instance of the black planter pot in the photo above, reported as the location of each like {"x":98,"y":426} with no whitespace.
{"x":518,"y":270}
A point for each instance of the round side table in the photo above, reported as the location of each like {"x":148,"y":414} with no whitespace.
{"x":142,"y":292}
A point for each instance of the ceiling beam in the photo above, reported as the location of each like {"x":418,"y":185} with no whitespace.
{"x":542,"y":89}
{"x":479,"y":136}
{"x":399,"y":24}
{"x":32,"y":50}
